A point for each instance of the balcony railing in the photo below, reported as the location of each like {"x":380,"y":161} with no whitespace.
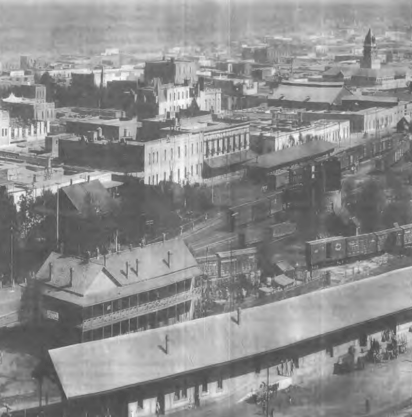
{"x":130,"y":312}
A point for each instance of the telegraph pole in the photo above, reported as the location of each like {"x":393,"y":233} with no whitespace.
{"x":57,"y":219}
{"x":11,"y":255}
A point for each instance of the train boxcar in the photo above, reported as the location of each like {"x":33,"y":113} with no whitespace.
{"x":251,"y":236}
{"x":389,"y":239}
{"x":275,"y":203}
{"x":361,"y":245}
{"x":275,"y":231}
{"x":324,"y":251}
{"x":278,"y":179}
{"x":260,"y":210}
{"x":407,"y":234}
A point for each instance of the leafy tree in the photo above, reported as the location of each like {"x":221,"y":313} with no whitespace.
{"x":370,"y":203}
{"x":8,"y":226}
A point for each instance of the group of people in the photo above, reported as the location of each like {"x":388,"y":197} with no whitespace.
{"x":286,"y":368}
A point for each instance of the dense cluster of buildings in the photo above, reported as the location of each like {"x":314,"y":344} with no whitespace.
{"x":188,"y":121}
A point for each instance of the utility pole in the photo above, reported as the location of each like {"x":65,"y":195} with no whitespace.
{"x":267,"y":391}
{"x":57,"y":219}
{"x":11,"y":255}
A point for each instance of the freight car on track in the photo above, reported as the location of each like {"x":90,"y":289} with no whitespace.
{"x":340,"y":249}
{"x":254,"y":211}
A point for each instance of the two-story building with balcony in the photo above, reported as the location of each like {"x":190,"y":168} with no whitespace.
{"x":131,"y":291}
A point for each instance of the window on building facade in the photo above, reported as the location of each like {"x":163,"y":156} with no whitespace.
{"x":178,"y":95}
{"x":133,"y":300}
{"x":220,"y":382}
{"x":177,"y":393}
{"x":184,"y":389}
{"x":178,"y":174}
{"x":205,"y":384}
{"x":107,"y":308}
{"x":124,"y":326}
{"x":185,"y":150}
{"x":171,"y":154}
{"x":174,"y":96}
{"x":133,"y":324}
{"x":98,"y":333}
{"x":193,"y":147}
{"x":185,"y":172}
{"x":157,"y":178}
{"x":178,"y":152}
{"x":150,"y":158}
{"x":191,"y":170}
{"x":197,"y":169}
{"x":107,"y":331}
{"x":116,"y":329}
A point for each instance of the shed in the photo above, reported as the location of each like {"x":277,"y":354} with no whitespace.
{"x":283,"y":281}
{"x":284,"y":268}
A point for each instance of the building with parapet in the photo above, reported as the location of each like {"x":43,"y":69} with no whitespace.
{"x":173,"y":71}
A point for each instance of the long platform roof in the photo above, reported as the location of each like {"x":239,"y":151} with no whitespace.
{"x":295,"y":154}
{"x":139,"y":358}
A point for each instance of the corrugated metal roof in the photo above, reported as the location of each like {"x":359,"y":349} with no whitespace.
{"x":116,"y":363}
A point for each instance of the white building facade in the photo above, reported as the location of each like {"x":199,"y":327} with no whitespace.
{"x":175,"y":158}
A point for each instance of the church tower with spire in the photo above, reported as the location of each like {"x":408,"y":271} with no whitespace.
{"x":370,"y":53}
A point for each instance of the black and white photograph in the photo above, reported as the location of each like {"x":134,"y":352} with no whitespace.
{"x":205,"y":208}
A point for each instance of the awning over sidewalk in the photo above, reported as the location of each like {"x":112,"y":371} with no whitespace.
{"x":231,"y":159}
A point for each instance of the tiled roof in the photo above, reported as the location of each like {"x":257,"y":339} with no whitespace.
{"x":90,"y":197}
{"x":136,"y":359}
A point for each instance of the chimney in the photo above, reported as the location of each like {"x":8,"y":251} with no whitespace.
{"x":169,"y":258}
{"x":50,"y":271}
{"x":238,"y":315}
{"x":71,"y":277}
{"x":167,"y":344}
{"x":137,"y":267}
{"x":127,"y":270}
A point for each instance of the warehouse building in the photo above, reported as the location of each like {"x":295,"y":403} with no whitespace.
{"x":216,"y":357}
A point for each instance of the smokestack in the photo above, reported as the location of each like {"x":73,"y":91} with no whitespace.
{"x":71,"y":277}
{"x":238,"y":315}
{"x":167,"y":344}
{"x":127,"y":269}
{"x":137,"y":267}
{"x":50,"y":271}
{"x":169,"y":258}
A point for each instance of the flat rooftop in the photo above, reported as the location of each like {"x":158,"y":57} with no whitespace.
{"x":93,"y":368}
{"x":99,"y":122}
